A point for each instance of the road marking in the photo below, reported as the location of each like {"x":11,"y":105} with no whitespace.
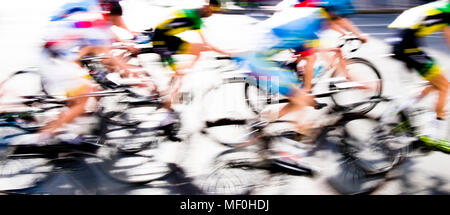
{"x":372,"y":25}
{"x":437,"y":34}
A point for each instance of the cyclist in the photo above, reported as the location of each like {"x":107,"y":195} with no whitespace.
{"x":114,"y":13}
{"x":166,"y":43}
{"x":340,"y":8}
{"x":415,"y":23}
{"x":111,"y":9}
{"x":295,"y":28}
{"x":68,"y":38}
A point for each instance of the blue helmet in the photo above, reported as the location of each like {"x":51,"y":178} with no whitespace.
{"x":72,"y":7}
{"x":338,"y":7}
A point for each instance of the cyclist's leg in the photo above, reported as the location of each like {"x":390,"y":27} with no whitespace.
{"x":192,"y":49}
{"x":282,"y":81}
{"x":65,"y":78}
{"x":77,"y":107}
{"x":428,"y":69}
{"x":440,"y":83}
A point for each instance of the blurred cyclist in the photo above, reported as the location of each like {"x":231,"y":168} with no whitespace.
{"x":166,"y":43}
{"x":295,"y":28}
{"x":415,"y":23}
{"x":339,"y":9}
{"x":111,"y":9}
{"x":114,"y":13}
{"x":69,"y":37}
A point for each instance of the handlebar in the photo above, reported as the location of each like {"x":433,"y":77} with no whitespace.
{"x":350,"y":40}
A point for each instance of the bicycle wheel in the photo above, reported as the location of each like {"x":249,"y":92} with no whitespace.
{"x":134,"y":168}
{"x":257,"y":99}
{"x":22,"y":169}
{"x":228,"y":132}
{"x":132,"y":135}
{"x":116,"y":111}
{"x":353,"y":180}
{"x":15,"y":82}
{"x":16,"y":111}
{"x":374,"y":147}
{"x":237,"y":173}
{"x":351,"y":92}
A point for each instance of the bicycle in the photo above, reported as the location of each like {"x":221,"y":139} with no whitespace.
{"x":339,"y":88}
{"x":104,"y":135}
{"x":233,"y":168}
{"x":16,"y":156}
{"x":375,"y":146}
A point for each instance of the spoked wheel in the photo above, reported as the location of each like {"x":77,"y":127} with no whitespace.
{"x":351,"y":179}
{"x":131,"y":140}
{"x":20,"y":171}
{"x":370,"y":152}
{"x":237,"y":173}
{"x":293,"y":164}
{"x":366,"y":83}
{"x":374,"y":147}
{"x":22,"y":113}
{"x":117,"y":112}
{"x":228,"y":132}
{"x":134,"y":168}
{"x":132,"y":136}
{"x":257,"y":98}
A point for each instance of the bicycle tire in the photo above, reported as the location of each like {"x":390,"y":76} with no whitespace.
{"x":26,"y":119}
{"x":259,"y":105}
{"x":381,"y":152}
{"x":228,"y":132}
{"x":377,"y":94}
{"x":352,"y":180}
{"x":131,"y":136}
{"x":233,"y":176}
{"x":134,"y":169}
{"x":23,"y":171}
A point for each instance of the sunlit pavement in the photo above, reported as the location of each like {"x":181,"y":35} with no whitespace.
{"x":425,"y":173}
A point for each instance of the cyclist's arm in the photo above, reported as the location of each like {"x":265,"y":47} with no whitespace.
{"x":336,"y":27}
{"x":118,"y":21}
{"x":211,"y":46}
{"x":348,"y":25}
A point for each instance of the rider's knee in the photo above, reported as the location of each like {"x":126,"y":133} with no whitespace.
{"x":197,"y":48}
{"x":299,"y":98}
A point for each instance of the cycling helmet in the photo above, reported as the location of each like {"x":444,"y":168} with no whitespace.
{"x":215,"y":5}
{"x":73,"y":7}
{"x":336,"y":7}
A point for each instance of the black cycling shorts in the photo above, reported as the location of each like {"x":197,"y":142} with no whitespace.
{"x":408,"y":52}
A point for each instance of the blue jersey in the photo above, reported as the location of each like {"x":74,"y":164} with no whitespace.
{"x":293,"y":27}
